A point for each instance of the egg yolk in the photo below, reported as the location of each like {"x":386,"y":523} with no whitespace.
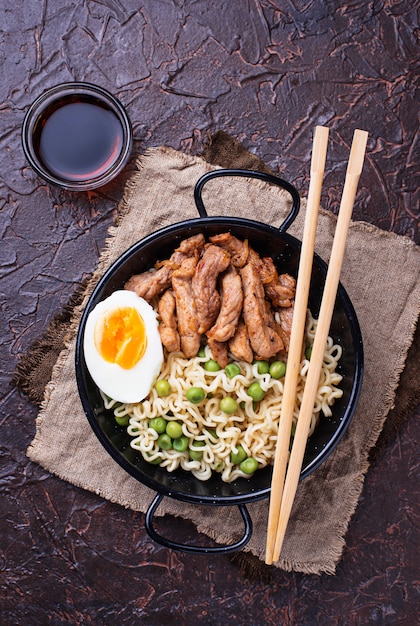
{"x":120,"y":337}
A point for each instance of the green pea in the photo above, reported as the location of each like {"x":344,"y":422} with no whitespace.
{"x":115,"y":403}
{"x":180,"y":444}
{"x":202,"y":352}
{"x":154,"y":461}
{"x":239,"y":456}
{"x":158,"y":424}
{"x":213,"y":434}
{"x":211,"y":366}
{"x":308,"y":352}
{"x":164,"y":442}
{"x":163,"y":388}
{"x":196,"y":455}
{"x":277,"y":369}
{"x":262,"y":367}
{"x":174,"y":429}
{"x":228,"y":405}
{"x":232,"y":370}
{"x":256,"y":392}
{"x":195,"y":395}
{"x":249,"y":465}
{"x":122,"y":420}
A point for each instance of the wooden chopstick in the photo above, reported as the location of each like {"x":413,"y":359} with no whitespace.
{"x":354,"y":170}
{"x":319,"y":152}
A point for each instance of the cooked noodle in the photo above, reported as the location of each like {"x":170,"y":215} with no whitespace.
{"x":254,"y":426}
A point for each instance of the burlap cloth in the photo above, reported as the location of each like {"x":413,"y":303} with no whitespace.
{"x":381,"y":275}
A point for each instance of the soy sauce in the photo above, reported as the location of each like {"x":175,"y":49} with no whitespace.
{"x":78,"y":138}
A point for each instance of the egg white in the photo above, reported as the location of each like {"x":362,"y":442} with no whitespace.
{"x":124,"y":385}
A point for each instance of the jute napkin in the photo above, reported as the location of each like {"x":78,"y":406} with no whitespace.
{"x":160,"y":193}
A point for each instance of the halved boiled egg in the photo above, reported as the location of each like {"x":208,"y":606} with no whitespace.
{"x":122,"y":346}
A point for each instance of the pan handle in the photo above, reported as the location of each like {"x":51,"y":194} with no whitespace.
{"x":269,"y":178}
{"x":197,"y":549}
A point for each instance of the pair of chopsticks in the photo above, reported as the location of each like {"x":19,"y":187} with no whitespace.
{"x":284,"y":486}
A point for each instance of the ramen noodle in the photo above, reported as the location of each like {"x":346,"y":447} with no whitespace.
{"x":253,"y":425}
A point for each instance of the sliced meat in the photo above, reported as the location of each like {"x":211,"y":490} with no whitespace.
{"x":288,"y":282}
{"x":192,"y":246}
{"x":262,"y":269}
{"x":219,"y":351}
{"x":207,"y":299}
{"x":279,"y":289}
{"x":285,"y":317}
{"x":185,"y":307}
{"x":237,"y":249}
{"x":168,"y":325}
{"x":270,"y":319}
{"x":231,"y":306}
{"x":239,"y":345}
{"x":265,"y":341}
{"x":150,"y":284}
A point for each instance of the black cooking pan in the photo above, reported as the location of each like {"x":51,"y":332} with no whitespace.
{"x":285,"y":251}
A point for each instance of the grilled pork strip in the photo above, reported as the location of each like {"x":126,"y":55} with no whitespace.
{"x":286,"y":318}
{"x":207,"y":299}
{"x":219,"y":351}
{"x":192,"y":246}
{"x":237,"y":249}
{"x":230,"y":308}
{"x":150,"y":284}
{"x":239,"y":345}
{"x":168,"y":324}
{"x":185,"y":307}
{"x":280,"y":290}
{"x":265,"y":341}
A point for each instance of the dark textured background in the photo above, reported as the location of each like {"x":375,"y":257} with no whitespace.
{"x":265,"y":71}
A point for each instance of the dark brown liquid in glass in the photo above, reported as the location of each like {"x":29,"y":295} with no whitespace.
{"x":78,"y":138}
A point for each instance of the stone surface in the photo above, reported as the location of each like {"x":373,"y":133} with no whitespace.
{"x":267,"y":72}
